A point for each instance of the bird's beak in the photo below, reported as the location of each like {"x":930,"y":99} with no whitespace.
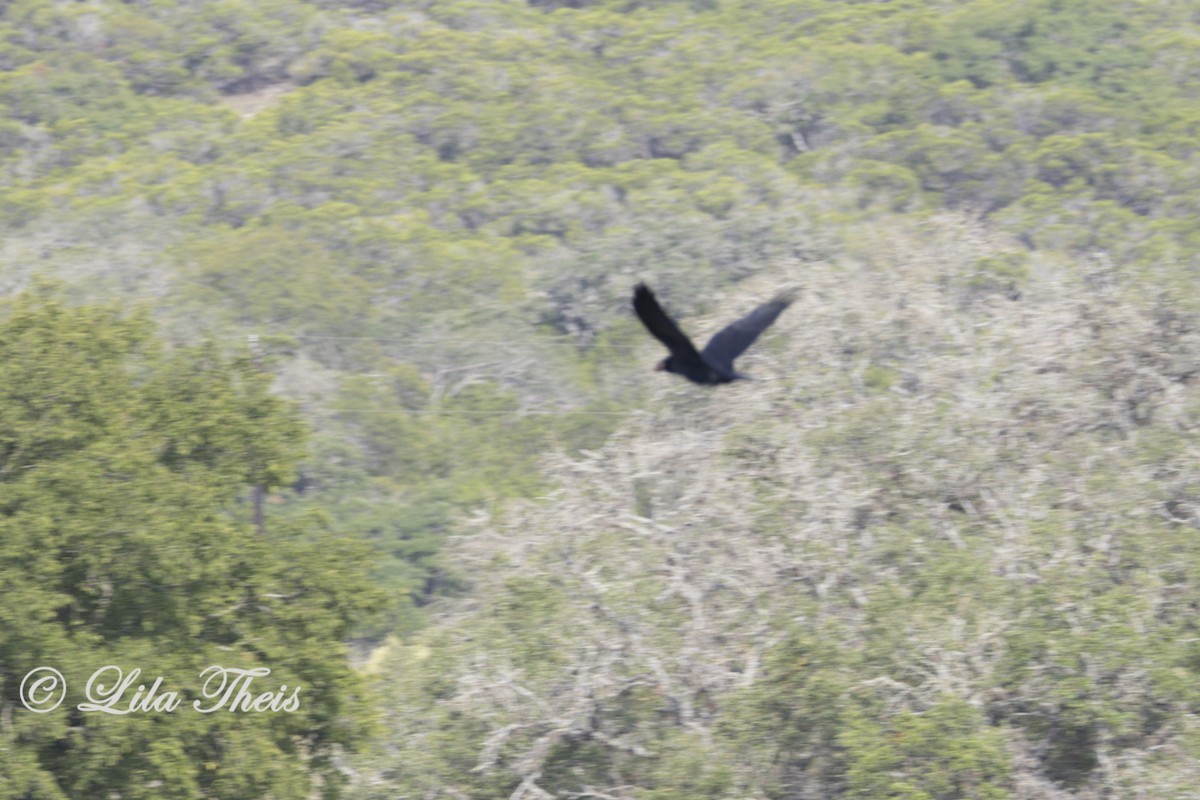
{"x":660,"y":366}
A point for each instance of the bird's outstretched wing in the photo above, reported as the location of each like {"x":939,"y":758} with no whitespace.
{"x":732,"y":340}
{"x":664,"y":328}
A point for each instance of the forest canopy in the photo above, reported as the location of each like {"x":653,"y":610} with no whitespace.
{"x":943,"y":549}
{"x":122,"y":543}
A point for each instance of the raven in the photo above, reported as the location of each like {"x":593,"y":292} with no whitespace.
{"x":713,"y":364}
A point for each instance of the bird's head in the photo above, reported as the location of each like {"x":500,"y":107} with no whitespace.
{"x":664,"y":365}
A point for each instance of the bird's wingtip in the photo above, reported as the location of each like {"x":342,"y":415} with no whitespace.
{"x":789,"y":295}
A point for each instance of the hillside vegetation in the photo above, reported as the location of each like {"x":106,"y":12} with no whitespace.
{"x":952,"y":555}
{"x":944,"y":549}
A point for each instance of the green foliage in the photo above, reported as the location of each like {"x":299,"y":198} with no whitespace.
{"x":431,"y":214}
{"x":944,"y":752}
{"x":125,"y":540}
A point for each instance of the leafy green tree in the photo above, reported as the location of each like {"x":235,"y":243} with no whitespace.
{"x":944,"y":753}
{"x":125,"y":540}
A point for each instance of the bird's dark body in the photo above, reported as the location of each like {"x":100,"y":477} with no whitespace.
{"x":702,"y":375}
{"x":714,"y":364}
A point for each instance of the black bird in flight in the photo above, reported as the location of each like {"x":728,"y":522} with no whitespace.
{"x":713,"y":364}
